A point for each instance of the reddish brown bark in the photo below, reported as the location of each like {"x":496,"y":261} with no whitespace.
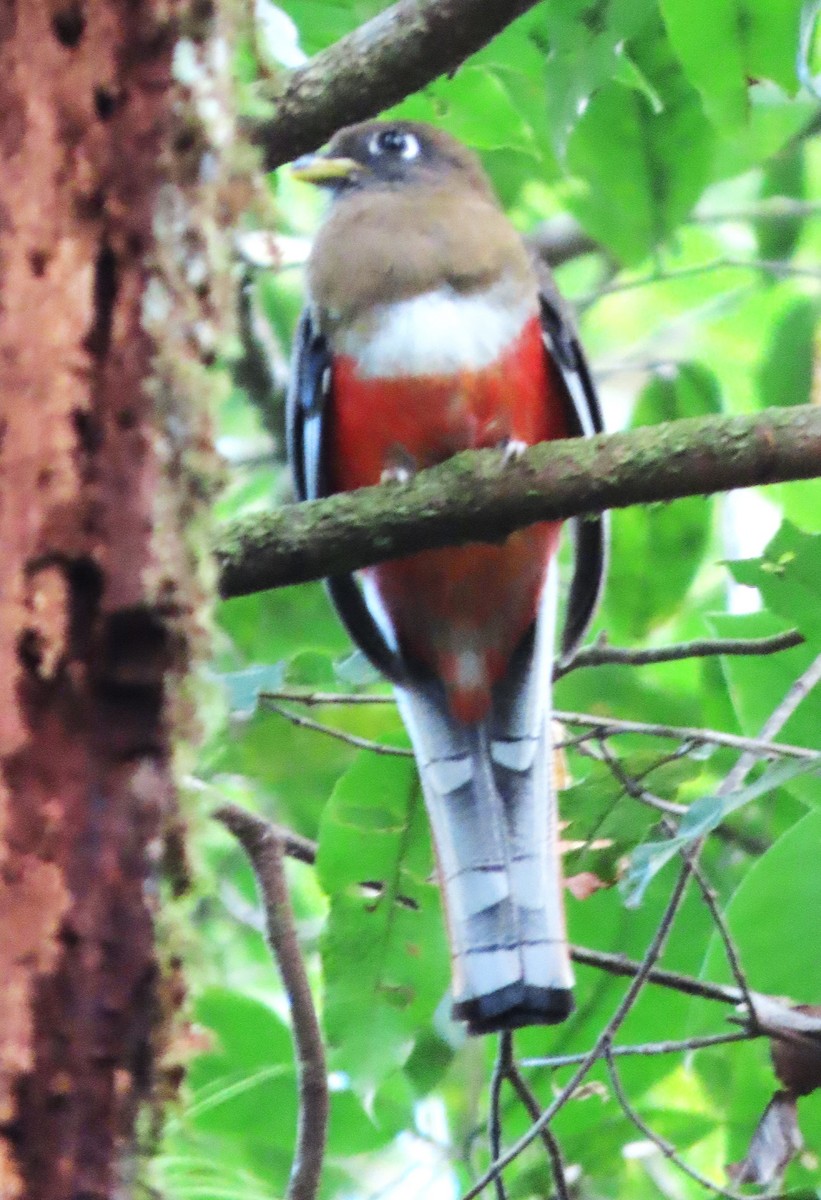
{"x":94,"y":606}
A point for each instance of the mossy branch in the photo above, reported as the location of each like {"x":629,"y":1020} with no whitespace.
{"x":397,"y":52}
{"x":477,"y":496}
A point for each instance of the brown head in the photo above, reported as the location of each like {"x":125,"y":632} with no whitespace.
{"x":412,"y":211}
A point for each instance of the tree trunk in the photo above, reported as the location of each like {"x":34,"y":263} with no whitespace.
{"x":100,"y":149}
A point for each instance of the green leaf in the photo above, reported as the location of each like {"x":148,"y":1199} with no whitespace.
{"x":784,"y":176}
{"x":585,"y":51}
{"x":648,"y":166}
{"x":789,"y":578}
{"x":785,"y":376}
{"x":658,"y":550}
{"x":748,"y":40}
{"x":702,"y":817}
{"x":383,"y":948}
{"x":247,"y":1086}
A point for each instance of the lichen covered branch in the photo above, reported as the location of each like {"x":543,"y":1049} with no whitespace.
{"x":481,"y":496}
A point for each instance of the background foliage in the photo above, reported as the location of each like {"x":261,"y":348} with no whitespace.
{"x":675,"y":132}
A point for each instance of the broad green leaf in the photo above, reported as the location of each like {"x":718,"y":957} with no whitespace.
{"x":785,"y":377}
{"x":648,"y":166}
{"x":658,"y":550}
{"x":383,"y":948}
{"x":748,"y":39}
{"x":784,"y":176}
{"x":789,"y":579}
{"x":246,"y":1087}
{"x":585,"y":48}
{"x":772,"y":917}
{"x":702,"y":817}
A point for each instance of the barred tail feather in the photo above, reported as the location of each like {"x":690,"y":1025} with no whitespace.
{"x":489,"y":794}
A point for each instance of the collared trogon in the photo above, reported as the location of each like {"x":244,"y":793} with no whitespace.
{"x":429,"y":330}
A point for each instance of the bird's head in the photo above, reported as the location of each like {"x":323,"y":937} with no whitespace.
{"x":386,"y":155}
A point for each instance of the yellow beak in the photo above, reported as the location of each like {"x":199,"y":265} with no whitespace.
{"x":316,"y":168}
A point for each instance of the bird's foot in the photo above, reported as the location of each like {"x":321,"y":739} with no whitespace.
{"x":400,"y":466}
{"x":512,"y":450}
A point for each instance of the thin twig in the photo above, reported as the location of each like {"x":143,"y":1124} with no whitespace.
{"x":619,"y":964}
{"x":774,"y":724}
{"x":265,"y":853}
{"x":668,"y":1150}
{"x":341,"y":735}
{"x":759,"y":747}
{"x":531,"y":1104}
{"x":501,"y":1070}
{"x":775,"y":267}
{"x":601,"y":653}
{"x":646,"y":1049}
{"x":601,"y":726}
{"x":654,"y":950}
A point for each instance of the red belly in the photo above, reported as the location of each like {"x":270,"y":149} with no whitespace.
{"x":463,"y":610}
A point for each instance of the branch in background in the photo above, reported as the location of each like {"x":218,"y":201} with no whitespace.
{"x":265,"y":850}
{"x":667,"y":1148}
{"x":601,"y":653}
{"x":648,"y":1049}
{"x":779,"y":268}
{"x":398,"y":52}
{"x":481,"y":495}
{"x":605,"y":726}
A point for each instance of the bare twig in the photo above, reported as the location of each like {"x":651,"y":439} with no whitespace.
{"x":644,"y":1049}
{"x":599,"y":726}
{"x":668,"y":1150}
{"x":601,"y":654}
{"x":399,"y":51}
{"x":501,"y":1069}
{"x":777,"y":267}
{"x":618,"y":964}
{"x":265,"y":850}
{"x":341,"y":735}
{"x":481,"y":495}
{"x":531,"y":1104}
{"x":774,"y":724}
{"x":607,"y":726}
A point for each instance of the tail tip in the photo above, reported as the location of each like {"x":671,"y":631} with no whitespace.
{"x":513,"y":1007}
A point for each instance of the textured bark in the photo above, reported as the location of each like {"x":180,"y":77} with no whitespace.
{"x":479,"y":496}
{"x":399,"y":51}
{"x":96,"y":599}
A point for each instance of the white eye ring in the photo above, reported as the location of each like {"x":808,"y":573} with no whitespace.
{"x":410,"y":144}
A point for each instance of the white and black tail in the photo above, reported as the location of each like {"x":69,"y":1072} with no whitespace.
{"x":489,"y":793}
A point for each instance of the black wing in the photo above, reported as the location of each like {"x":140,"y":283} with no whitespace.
{"x":307,"y":416}
{"x":591,"y":534}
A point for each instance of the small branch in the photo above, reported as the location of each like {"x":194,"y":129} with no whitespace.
{"x":774,"y":724}
{"x":398,"y":52}
{"x":341,"y":735}
{"x":531,"y":1104}
{"x":478,"y":495}
{"x":501,"y":1068}
{"x":608,"y":726}
{"x":601,"y":654}
{"x":265,"y":850}
{"x":618,"y":964}
{"x":779,"y":268}
{"x":648,"y":1048}
{"x":668,"y":1150}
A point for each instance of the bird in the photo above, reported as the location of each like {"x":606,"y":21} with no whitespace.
{"x":429,"y":329}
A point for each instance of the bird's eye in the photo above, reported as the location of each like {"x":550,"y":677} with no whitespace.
{"x":394,"y":142}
